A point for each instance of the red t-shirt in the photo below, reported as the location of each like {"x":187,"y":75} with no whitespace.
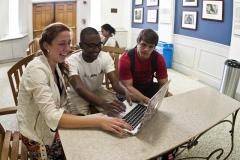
{"x":142,"y":72}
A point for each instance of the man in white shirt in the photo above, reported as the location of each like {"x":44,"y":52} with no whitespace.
{"x":87,"y":69}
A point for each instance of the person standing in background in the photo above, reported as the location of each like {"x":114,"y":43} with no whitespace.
{"x":108,"y":33}
{"x":108,"y":39}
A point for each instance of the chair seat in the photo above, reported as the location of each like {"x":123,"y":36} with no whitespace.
{"x":12,"y":147}
{"x":9,"y":122}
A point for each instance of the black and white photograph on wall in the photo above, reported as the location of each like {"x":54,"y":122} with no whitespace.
{"x":152,"y":2}
{"x":190,"y":3}
{"x":138,"y":15}
{"x":152,"y":16}
{"x":138,"y":2}
{"x":212,"y":10}
{"x":189,"y":20}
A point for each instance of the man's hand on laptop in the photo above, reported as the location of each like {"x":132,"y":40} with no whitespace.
{"x":168,"y":94}
{"x":140,"y":99}
{"x":114,"y":125}
{"x":114,"y":107}
{"x":129,"y":97}
{"x":143,"y":100}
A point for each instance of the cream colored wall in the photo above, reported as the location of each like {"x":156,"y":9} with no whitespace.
{"x":15,"y":48}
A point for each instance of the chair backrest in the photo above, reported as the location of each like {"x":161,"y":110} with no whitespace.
{"x":33,"y":46}
{"x":15,"y":73}
{"x":113,"y":49}
{"x":11,"y":146}
{"x":116,"y":54}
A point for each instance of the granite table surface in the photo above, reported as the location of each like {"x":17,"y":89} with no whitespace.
{"x":179,"y":119}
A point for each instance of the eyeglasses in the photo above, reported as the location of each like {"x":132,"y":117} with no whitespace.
{"x":93,"y":45}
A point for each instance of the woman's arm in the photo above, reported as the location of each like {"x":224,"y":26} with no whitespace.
{"x":111,"y":124}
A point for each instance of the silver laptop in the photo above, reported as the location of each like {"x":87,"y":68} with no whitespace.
{"x":138,"y":114}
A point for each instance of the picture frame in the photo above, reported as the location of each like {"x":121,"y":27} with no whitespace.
{"x":152,"y":15}
{"x":236,"y":29}
{"x":189,"y":20}
{"x":213,"y":10}
{"x":190,"y":3}
{"x":138,"y":15}
{"x":152,"y":2}
{"x":138,"y":2}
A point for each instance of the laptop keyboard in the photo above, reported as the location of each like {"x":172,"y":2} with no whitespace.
{"x":134,"y":117}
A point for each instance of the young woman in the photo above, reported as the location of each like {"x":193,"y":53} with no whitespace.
{"x":42,"y":99}
{"x":108,"y":33}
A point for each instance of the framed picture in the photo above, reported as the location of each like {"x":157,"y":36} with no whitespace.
{"x":138,"y":15}
{"x":190,"y":3}
{"x":189,"y":20}
{"x":212,"y":10}
{"x":236,"y":30}
{"x":152,"y":2}
{"x":138,"y":2}
{"x":152,"y":15}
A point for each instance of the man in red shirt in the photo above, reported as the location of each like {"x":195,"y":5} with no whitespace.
{"x":138,"y":66}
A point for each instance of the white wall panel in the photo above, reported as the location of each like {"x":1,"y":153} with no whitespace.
{"x":184,"y":54}
{"x":134,"y":35}
{"x":5,"y":50}
{"x":19,"y":47}
{"x":211,"y":64}
{"x":201,"y":59}
{"x":121,"y":37}
{"x":12,"y":49}
{"x":4,"y":18}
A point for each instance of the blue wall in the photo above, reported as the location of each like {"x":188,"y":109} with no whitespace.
{"x":215,"y":31}
{"x":153,"y":26}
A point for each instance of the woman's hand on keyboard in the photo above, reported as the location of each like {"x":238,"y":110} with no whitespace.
{"x":114,"y":125}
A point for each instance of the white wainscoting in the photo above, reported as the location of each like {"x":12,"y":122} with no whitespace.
{"x":121,"y":36}
{"x":134,"y":35}
{"x":201,"y":59}
{"x":12,"y":49}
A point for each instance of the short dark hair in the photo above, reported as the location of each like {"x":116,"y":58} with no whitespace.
{"x":87,"y":31}
{"x":149,"y":36}
{"x":109,"y":28}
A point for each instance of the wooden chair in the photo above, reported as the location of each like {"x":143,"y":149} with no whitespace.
{"x":33,"y":46}
{"x":11,"y":146}
{"x":117,"y":52}
{"x":15,"y":73}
